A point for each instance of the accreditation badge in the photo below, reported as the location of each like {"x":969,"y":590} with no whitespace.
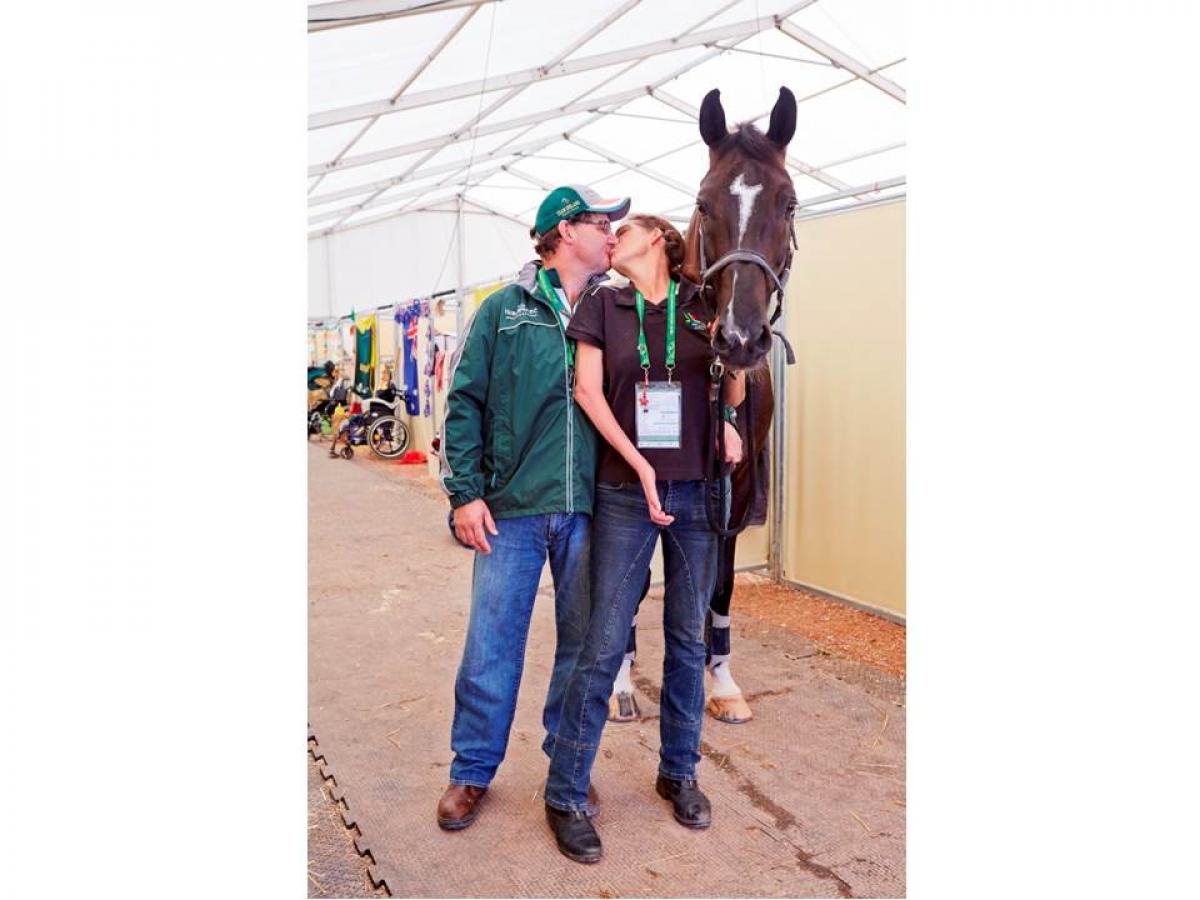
{"x":659,"y":415}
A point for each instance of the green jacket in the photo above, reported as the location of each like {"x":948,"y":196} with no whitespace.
{"x":513,"y":434}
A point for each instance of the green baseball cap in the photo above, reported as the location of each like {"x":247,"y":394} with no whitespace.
{"x":570,"y":200}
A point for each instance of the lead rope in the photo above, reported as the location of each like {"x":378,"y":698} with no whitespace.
{"x":718,"y":509}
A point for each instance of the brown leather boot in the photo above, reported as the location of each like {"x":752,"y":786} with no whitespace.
{"x":459,"y":806}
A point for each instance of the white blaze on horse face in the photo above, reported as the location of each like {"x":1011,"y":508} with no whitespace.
{"x":746,"y":195}
{"x":731,"y":328}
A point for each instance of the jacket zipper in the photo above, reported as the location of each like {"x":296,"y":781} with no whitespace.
{"x":570,"y":406}
{"x":570,"y":422}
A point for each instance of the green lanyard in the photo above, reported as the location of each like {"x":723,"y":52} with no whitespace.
{"x":643,"y":348}
{"x":543,"y":281}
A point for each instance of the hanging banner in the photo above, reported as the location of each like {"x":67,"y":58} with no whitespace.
{"x":430,"y":359}
{"x":409,"y":318}
{"x":364,"y":356}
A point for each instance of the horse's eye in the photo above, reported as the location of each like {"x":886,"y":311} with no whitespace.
{"x":791,"y":208}
{"x":702,"y":208}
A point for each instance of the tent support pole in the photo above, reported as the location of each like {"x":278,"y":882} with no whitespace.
{"x":778,"y":452}
{"x":460,"y":239}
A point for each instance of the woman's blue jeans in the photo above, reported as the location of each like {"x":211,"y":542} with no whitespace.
{"x":502,"y":594}
{"x":623,"y":539}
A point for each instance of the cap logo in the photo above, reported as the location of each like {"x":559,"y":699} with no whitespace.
{"x":569,"y":207}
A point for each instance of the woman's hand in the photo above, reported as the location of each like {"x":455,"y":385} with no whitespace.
{"x":645,"y":475}
{"x":733,"y":444}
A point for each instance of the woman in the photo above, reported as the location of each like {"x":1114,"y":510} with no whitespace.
{"x":642,"y":377}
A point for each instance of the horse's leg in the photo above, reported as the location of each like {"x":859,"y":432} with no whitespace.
{"x":725,"y":702}
{"x":622,"y":704}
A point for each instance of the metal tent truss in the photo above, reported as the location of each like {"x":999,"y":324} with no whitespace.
{"x":487,"y":104}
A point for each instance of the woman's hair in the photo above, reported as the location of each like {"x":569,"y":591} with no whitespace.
{"x":673,"y":243}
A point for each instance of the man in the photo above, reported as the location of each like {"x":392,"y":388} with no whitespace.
{"x":518,"y":462}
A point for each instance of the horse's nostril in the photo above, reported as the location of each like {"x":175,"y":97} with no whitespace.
{"x":764,"y":339}
{"x":721,"y":342}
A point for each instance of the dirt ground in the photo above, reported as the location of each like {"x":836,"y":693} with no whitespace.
{"x":836,"y":628}
{"x":808,"y":798}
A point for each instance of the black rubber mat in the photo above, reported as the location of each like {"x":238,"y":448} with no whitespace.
{"x":335,"y":868}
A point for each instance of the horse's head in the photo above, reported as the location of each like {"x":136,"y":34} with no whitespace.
{"x":739,"y":240}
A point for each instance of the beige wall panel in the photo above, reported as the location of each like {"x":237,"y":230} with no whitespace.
{"x":845,"y":493}
{"x":753,"y":547}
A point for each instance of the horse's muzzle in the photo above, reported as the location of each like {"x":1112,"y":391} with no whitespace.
{"x":740,"y":353}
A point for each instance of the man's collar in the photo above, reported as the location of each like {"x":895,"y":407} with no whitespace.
{"x":527,"y":277}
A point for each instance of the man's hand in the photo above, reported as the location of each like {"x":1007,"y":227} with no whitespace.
{"x":472,"y":523}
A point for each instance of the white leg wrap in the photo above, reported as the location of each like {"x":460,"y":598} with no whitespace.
{"x":723,"y":683}
{"x":622,"y":683}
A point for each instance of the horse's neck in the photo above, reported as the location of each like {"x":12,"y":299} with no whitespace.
{"x":761,"y":392}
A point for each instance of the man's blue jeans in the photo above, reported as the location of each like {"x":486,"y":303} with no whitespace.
{"x":502,"y":594}
{"x":623,"y":539}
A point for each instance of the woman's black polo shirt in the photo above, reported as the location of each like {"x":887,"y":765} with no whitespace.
{"x":606,"y":317}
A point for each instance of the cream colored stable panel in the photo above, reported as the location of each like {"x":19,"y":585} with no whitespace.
{"x":845,"y":472}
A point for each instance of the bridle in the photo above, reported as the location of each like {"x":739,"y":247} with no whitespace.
{"x":776,"y":280}
{"x":718,"y":500}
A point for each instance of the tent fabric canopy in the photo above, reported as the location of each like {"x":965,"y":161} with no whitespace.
{"x":416,"y":103}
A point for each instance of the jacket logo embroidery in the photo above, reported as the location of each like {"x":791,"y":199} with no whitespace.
{"x":520,"y":312}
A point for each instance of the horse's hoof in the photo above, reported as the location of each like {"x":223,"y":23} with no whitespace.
{"x":622,"y":707}
{"x":731,"y":710}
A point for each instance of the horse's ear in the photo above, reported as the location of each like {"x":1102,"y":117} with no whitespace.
{"x":783,"y":119}
{"x":712,"y":118}
{"x":691,"y":250}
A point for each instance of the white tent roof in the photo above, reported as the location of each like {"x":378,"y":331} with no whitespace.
{"x":415,"y":102}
